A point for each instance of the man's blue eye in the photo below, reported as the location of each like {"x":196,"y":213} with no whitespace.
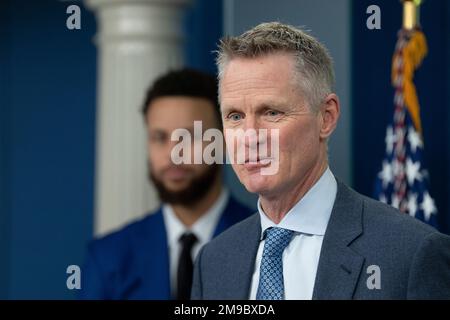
{"x":235,"y":117}
{"x":273,"y":113}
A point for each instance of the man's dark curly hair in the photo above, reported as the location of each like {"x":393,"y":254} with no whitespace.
{"x":185,"y":82}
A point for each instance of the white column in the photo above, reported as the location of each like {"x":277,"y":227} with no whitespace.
{"x":137,"y":41}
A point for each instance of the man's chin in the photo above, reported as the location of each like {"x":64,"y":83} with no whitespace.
{"x":176,"y":183}
{"x":177,"y":187}
{"x":185,"y":190}
{"x":259,"y":186}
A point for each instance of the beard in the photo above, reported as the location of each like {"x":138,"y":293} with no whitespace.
{"x":196,"y":189}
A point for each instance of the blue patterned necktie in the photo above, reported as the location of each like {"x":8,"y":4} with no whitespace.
{"x":271,"y":285}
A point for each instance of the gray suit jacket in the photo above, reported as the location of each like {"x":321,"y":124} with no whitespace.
{"x":413,"y":258}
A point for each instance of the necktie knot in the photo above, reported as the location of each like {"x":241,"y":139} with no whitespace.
{"x":277,"y":239}
{"x":188,"y":240}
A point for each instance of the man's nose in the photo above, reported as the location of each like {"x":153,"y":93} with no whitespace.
{"x":252,"y":128}
{"x":250,"y":123}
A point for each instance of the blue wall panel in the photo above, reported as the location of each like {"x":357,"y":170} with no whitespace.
{"x":203,"y":29}
{"x":5,"y":102}
{"x":373,"y":94}
{"x":50,"y":146}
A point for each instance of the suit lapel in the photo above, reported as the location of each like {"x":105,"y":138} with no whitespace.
{"x":232,"y":214}
{"x":242,"y":265}
{"x":339,"y":266}
{"x":155,"y":259}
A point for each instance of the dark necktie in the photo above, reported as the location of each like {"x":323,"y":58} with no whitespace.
{"x":185,"y":266}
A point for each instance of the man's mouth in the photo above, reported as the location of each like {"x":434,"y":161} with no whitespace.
{"x":252,"y":164}
{"x":176,"y":174}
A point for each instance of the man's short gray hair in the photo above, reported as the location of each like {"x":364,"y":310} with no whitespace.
{"x":314,"y":66}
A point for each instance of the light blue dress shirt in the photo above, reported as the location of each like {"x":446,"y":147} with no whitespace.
{"x":308,"y":219}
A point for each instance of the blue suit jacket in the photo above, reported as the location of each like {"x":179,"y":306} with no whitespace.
{"x":413,"y":258}
{"x":133,"y":263}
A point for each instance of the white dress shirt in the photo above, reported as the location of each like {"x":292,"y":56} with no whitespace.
{"x":308,"y":219}
{"x":203,"y":229}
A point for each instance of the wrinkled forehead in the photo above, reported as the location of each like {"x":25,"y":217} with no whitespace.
{"x":270,"y":77}
{"x":276,"y":65}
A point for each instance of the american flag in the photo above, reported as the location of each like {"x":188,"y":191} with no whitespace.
{"x":403,"y":181}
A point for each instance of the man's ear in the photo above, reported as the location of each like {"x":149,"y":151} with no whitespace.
{"x":329,"y":111}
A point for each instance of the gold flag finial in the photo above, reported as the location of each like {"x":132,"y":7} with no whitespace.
{"x":411,"y":14}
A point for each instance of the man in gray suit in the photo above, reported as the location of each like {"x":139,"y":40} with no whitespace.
{"x":312,"y":237}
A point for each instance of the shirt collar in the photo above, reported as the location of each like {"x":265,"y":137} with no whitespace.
{"x":311,"y":213}
{"x":203,"y":228}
